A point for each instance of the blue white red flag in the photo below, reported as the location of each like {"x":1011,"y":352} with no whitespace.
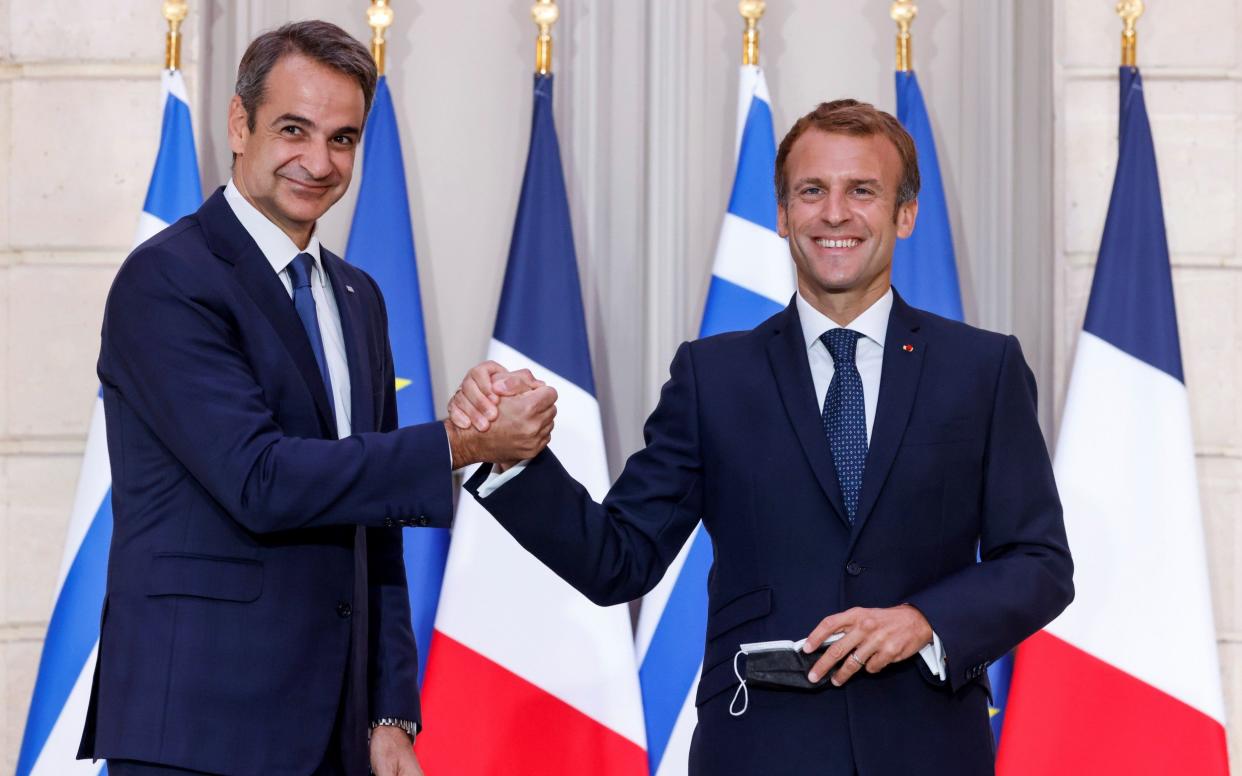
{"x":752,"y":279}
{"x":381,"y":242}
{"x":67,"y":665}
{"x":536,"y":673}
{"x":1114,"y":685}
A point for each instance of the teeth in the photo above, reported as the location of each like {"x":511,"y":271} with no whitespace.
{"x":836,"y":243}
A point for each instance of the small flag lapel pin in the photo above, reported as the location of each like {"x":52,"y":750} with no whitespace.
{"x":908,"y":348}
{"x":350,"y":289}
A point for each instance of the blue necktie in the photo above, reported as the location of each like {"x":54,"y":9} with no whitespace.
{"x":300,"y":274}
{"x":845,"y":417}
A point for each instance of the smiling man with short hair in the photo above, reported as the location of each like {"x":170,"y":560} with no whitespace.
{"x":256,"y":618}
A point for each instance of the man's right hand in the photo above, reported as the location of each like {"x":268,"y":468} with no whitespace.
{"x":476,"y":402}
{"x":520,"y":429}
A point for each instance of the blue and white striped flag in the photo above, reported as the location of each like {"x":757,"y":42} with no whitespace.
{"x":63,"y":686}
{"x":752,"y":279}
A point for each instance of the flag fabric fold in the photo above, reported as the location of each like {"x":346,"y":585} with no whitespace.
{"x":1109,"y":686}
{"x":67,"y":664}
{"x":381,"y":242}
{"x":526,"y":675}
{"x":752,"y":279}
{"x":924,"y":264}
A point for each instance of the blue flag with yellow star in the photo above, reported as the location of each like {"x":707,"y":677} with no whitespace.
{"x":381,"y":242}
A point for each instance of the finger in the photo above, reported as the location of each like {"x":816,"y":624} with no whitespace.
{"x":834,"y":655}
{"x":480,"y":403}
{"x":458,"y":417}
{"x":833,"y":623}
{"x":854,"y":662}
{"x":478,"y":418}
{"x":513,"y":383}
{"x":543,"y":398}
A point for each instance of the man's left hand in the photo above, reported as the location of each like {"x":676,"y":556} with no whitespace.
{"x":874,"y":639}
{"x":392,"y":753}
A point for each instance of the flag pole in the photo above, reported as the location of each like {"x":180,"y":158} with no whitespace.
{"x":752,"y":12}
{"x":1129,"y":11}
{"x":903,"y":12}
{"x":379,"y":16}
{"x":544,"y":13}
{"x":175,"y":12}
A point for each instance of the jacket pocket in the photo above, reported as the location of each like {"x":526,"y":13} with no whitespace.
{"x":205,"y":576}
{"x":717,"y":673}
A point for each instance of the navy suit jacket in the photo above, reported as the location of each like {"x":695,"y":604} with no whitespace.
{"x":256,"y":560}
{"x":956,"y":464}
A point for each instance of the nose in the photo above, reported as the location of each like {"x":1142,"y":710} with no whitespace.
{"x":835,"y":212}
{"x":316,"y":160}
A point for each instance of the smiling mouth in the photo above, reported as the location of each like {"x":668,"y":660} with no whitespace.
{"x":848,"y":242}
{"x":307,"y":186}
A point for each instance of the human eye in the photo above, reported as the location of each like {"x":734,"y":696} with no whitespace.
{"x":344,"y":140}
{"x":810,"y":192}
{"x":291,"y":130}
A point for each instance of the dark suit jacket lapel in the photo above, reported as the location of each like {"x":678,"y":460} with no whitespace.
{"x":899,"y":382}
{"x":354,"y":330}
{"x":229,"y":240}
{"x":787,"y":354}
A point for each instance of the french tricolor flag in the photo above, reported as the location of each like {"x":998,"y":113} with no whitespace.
{"x":1127,"y":679}
{"x":525,"y":675}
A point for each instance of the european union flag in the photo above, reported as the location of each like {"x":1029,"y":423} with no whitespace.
{"x":381,"y":242}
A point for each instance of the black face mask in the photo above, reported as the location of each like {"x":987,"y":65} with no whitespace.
{"x":777,"y":665}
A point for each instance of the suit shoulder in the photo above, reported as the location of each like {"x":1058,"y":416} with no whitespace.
{"x":732,"y":343}
{"x":167,"y":248}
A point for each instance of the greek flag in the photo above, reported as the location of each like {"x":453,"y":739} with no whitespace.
{"x":381,"y":242}
{"x":67,"y":666}
{"x":752,"y":279}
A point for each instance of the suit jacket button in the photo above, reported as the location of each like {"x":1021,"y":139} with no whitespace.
{"x":423,"y":521}
{"x":388,"y":523}
{"x":853,"y":569}
{"x":344,"y":610}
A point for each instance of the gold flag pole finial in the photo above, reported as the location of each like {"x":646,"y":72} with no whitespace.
{"x":1129,"y":11}
{"x":752,"y":12}
{"x":175,"y":12}
{"x":379,"y":16}
{"x":903,"y":12}
{"x":544,"y":13}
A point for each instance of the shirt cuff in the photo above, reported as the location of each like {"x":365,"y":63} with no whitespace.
{"x":933,"y":656}
{"x":494,"y":480}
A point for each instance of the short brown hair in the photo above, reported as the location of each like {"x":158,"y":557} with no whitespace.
{"x":851,"y":117}
{"x":323,"y":42}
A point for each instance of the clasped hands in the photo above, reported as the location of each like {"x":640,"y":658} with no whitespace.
{"x":499,"y":417}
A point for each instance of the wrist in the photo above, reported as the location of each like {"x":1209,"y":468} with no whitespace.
{"x":460,"y":450}
{"x":404,"y":726}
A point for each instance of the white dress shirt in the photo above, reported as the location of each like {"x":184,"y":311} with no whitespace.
{"x":872,"y":324}
{"x":280,"y":252}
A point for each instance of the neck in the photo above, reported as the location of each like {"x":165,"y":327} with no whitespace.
{"x":842,"y":307}
{"x":300,"y":235}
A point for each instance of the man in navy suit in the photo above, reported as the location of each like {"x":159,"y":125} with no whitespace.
{"x":256,"y":619}
{"x":849,"y":457}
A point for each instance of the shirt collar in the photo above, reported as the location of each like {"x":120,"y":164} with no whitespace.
{"x":872,"y":324}
{"x":276,"y":246}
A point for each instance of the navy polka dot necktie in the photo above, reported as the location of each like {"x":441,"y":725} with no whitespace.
{"x":845,"y":418}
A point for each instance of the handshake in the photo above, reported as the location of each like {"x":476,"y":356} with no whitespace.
{"x":499,"y":417}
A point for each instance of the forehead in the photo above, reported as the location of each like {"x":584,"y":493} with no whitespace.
{"x":819,"y":154}
{"x":298,"y":84}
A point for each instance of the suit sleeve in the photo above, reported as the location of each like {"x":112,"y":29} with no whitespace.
{"x":616,"y":551}
{"x":172,"y":351}
{"x":1024,"y":578}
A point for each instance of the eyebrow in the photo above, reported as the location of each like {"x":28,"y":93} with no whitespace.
{"x":815,"y":181}
{"x":293,"y":118}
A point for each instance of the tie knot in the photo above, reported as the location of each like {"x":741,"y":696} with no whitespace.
{"x":841,"y":344}
{"x":300,"y":270}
